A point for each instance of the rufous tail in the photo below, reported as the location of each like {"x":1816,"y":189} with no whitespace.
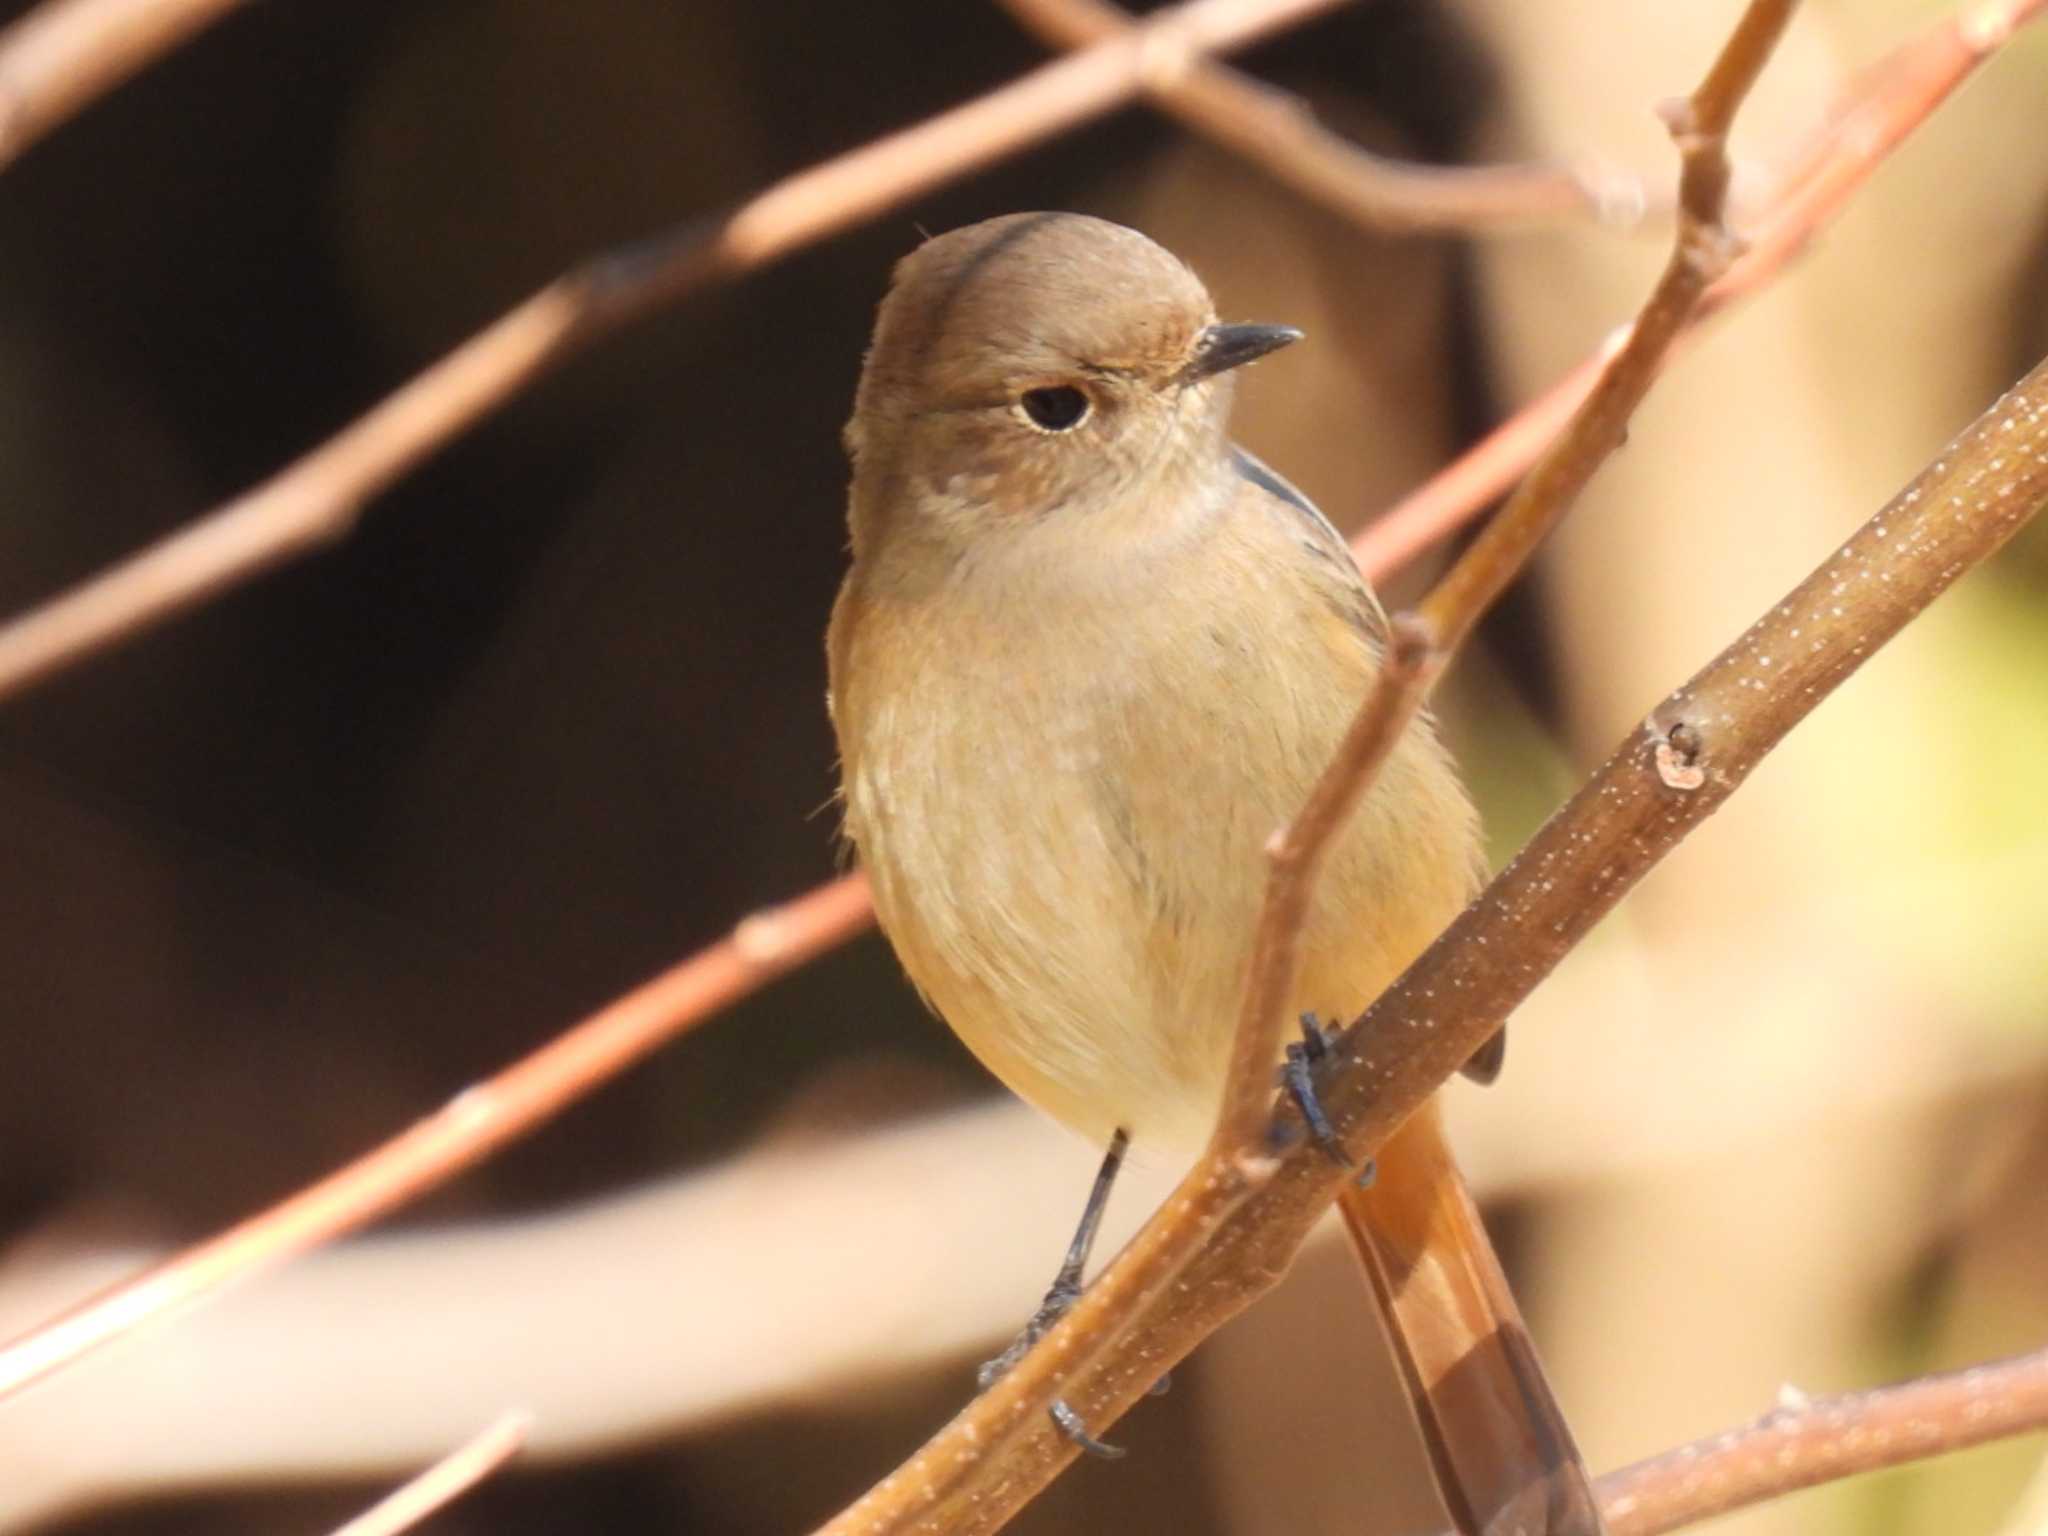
{"x":1503,"y":1457}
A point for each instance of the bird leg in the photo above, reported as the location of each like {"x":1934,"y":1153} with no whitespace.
{"x":1060,"y":1297}
{"x":1297,"y":1076}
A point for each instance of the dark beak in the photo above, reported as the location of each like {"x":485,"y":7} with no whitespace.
{"x":1224,"y":347}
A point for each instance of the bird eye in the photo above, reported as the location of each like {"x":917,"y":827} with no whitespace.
{"x":1056,"y":408}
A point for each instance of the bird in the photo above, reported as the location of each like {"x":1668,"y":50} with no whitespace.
{"x":1088,"y":656}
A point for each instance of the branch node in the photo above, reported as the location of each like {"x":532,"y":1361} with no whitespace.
{"x":1165,"y":57}
{"x":1681,"y":120}
{"x":1710,"y":248}
{"x":1414,"y":648}
{"x":761,"y":938}
{"x":1678,"y":752}
{"x":1248,"y":1169}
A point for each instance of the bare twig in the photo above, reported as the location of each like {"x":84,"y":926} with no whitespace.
{"x":1279,"y":134}
{"x":1891,"y":100}
{"x":473,"y":1124}
{"x":64,"y":53}
{"x":1425,"y":640}
{"x":1808,"y":1442}
{"x":442,"y":1483}
{"x":318,"y":498}
{"x":1003,"y":1447}
{"x":1692,"y":753}
{"x":1703,"y":251}
{"x":1294,"y":860}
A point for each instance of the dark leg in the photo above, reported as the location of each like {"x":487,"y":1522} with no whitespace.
{"x":1061,"y":1296}
{"x":1070,"y":1425}
{"x":1297,"y":1076}
{"x":1066,"y":1285}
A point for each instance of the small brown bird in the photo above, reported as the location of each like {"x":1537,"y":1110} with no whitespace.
{"x":1089,"y":656}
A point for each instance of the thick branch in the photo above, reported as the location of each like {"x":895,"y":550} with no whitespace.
{"x":1279,"y":135}
{"x":1801,"y":1445}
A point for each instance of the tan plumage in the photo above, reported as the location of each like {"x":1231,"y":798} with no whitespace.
{"x":1081,"y":672}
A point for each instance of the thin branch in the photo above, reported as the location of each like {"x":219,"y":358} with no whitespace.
{"x":472,"y":1125}
{"x":1692,"y":753}
{"x":1277,"y":133}
{"x":1808,"y":1442}
{"x":1891,"y":100}
{"x":1701,"y":254}
{"x":1425,"y":641}
{"x":318,"y":498}
{"x":1294,"y":859}
{"x":444,"y":1482}
{"x":1002,"y":1448}
{"x":64,"y":53}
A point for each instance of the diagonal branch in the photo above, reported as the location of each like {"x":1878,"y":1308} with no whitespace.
{"x":1804,"y":1443}
{"x":1702,"y":253}
{"x":319,"y":497}
{"x":469,"y":1128}
{"x":444,"y":1482}
{"x":63,"y":54}
{"x":1278,"y":134}
{"x":1433,"y":633}
{"x":1894,"y":97}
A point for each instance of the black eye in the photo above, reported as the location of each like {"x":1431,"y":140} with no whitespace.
{"x":1055,"y":408}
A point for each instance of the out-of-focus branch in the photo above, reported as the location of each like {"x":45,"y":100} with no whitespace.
{"x":1805,"y":1443}
{"x":1148,"y":1309}
{"x":1890,"y":100}
{"x":1699,"y":257}
{"x":1279,"y":134}
{"x":442,"y":1483}
{"x":319,"y":497}
{"x":471,"y":1126}
{"x":1294,"y":863}
{"x":64,"y":53}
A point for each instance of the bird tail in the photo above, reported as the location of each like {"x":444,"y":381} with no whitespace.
{"x":1503,"y":1457}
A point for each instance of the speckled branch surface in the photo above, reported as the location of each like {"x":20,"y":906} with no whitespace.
{"x":1803,"y":1443}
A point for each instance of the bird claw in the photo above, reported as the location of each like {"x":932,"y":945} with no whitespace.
{"x":1297,"y":1076}
{"x":1070,"y":1425}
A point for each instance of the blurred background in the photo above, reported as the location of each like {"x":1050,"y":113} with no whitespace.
{"x":281,"y":877}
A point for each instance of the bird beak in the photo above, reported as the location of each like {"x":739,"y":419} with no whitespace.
{"x":1224,"y":347}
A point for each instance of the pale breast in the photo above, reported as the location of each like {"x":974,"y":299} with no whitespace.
{"x":1064,"y":817}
